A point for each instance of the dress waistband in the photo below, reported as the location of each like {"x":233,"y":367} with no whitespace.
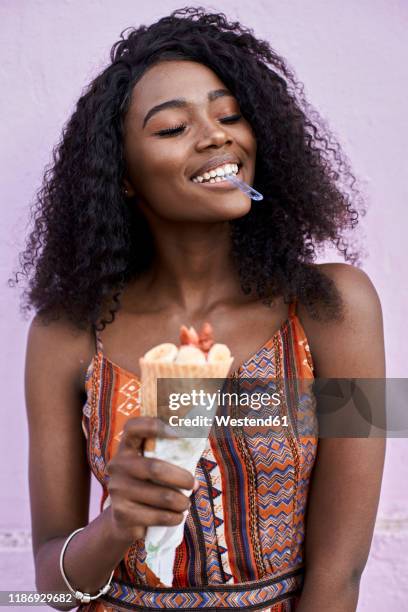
{"x":254,"y":595}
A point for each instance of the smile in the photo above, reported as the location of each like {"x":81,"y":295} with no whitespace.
{"x":216,"y":177}
{"x":217,"y":174}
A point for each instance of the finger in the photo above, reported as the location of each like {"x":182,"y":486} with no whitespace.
{"x":140,"y":428}
{"x":138,"y":514}
{"x":157,"y":496}
{"x":136,"y":430}
{"x":160,"y":472}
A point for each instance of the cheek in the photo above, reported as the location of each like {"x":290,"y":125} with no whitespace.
{"x":160,"y":161}
{"x":158,"y":174}
{"x":254,"y":144}
{"x":251,"y":142}
{"x":249,"y":138}
{"x":252,"y":149}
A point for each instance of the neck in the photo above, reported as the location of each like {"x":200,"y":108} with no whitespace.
{"x":193,"y":267}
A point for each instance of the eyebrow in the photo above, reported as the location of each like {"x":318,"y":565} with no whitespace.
{"x":182,"y":103}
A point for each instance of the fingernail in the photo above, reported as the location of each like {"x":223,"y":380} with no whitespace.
{"x":196,"y":484}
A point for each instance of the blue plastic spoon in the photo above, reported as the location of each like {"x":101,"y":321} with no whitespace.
{"x":244,"y":187}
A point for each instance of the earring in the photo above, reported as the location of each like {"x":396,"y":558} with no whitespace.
{"x":125,"y":192}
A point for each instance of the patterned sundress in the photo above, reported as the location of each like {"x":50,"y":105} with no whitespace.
{"x":243,"y":543}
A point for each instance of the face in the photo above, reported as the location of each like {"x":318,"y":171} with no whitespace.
{"x":183,"y":123}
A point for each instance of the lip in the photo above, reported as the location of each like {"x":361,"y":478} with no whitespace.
{"x":215,"y":162}
{"x":222,"y":186}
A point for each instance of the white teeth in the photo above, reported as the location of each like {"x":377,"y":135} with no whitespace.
{"x":217,"y":175}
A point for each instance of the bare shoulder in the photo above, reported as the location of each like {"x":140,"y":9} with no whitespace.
{"x":353,"y":344}
{"x":355,"y":286}
{"x":59,"y":345}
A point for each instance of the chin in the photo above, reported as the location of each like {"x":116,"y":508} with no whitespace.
{"x":234,"y":209}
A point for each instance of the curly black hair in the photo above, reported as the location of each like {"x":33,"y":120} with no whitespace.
{"x":88,"y":241}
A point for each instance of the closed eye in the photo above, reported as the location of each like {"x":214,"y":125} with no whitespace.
{"x":178,"y":129}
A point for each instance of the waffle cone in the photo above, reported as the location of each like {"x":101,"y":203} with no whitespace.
{"x":152,"y":370}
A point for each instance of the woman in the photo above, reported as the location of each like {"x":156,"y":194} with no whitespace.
{"x":133,"y":237}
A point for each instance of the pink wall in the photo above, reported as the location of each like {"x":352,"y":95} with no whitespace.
{"x":352,"y":57}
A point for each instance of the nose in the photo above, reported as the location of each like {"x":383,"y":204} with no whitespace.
{"x":212,"y":134}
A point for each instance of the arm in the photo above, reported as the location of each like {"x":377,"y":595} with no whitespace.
{"x":346,"y":480}
{"x":59,"y":476}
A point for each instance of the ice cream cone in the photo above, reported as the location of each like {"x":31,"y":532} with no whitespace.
{"x":152,"y":370}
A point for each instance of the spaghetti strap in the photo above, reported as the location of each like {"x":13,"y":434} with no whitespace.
{"x":98,"y":341}
{"x":292,"y":308}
